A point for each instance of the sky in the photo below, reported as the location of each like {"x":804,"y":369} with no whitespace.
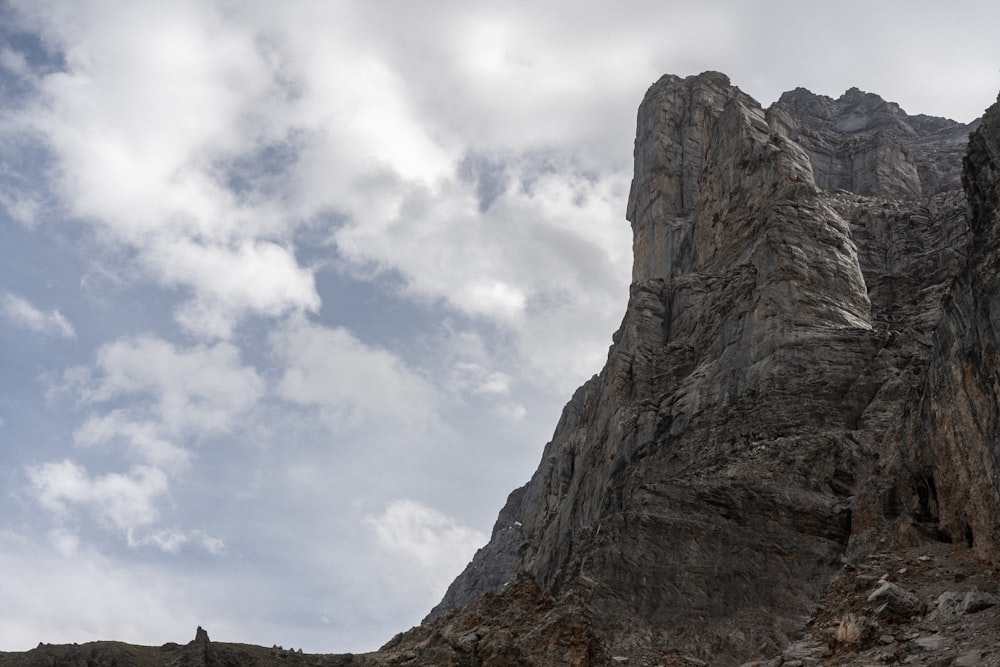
{"x":292,"y":293}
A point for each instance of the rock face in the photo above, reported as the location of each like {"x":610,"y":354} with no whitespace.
{"x":807,"y":366}
{"x":950,"y":441}
{"x":197,"y":653}
{"x":863,"y":144}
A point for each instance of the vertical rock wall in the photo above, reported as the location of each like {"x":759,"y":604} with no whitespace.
{"x":787,"y":344}
{"x":949,"y":448}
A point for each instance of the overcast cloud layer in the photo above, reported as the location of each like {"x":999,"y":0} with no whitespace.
{"x":291,"y":294}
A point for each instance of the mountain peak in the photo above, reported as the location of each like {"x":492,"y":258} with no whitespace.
{"x":759,"y":419}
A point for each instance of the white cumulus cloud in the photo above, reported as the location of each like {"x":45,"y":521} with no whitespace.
{"x":259,"y":278}
{"x":152,"y":403}
{"x":424,"y":537}
{"x":155,"y":103}
{"x":160,"y":121}
{"x":21,"y":312}
{"x":201,"y":389}
{"x":143,"y":440}
{"x":351,"y":382}
{"x":126,"y":501}
{"x":172,"y":541}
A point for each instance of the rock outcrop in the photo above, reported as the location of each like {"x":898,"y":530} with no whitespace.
{"x":806,"y":368}
{"x":201,"y":652}
{"x":950,"y":440}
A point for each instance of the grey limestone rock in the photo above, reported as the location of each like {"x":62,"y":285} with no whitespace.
{"x":801,"y":279}
{"x":951,"y":604}
{"x":863,"y":144}
{"x":895,"y":601}
{"x":941,"y":468}
{"x":494,"y":566}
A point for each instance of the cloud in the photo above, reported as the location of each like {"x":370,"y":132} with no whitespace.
{"x":14,"y":62}
{"x":62,"y":591}
{"x":65,"y":542}
{"x":260,"y":278}
{"x":202,"y":389}
{"x":350,"y":382}
{"x":123,"y":501}
{"x":22,"y":313}
{"x":143,"y":440}
{"x":549,"y":248}
{"x":494,"y":210}
{"x":468,"y":376}
{"x":23,"y":206}
{"x":430,"y":542}
{"x":172,"y":541}
{"x":152,"y":402}
{"x":152,"y":102}
{"x":512,"y":411}
{"x":126,"y":502}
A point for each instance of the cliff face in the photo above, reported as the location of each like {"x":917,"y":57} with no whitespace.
{"x":807,"y":366}
{"x":949,"y":446}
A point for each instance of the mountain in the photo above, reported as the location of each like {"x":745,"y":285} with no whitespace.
{"x":806,"y":376}
{"x":792,"y":454}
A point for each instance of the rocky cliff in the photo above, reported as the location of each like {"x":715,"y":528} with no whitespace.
{"x":806,"y":372}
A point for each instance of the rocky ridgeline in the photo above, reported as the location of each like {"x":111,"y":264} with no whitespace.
{"x":791,"y":455}
{"x":200,"y":652}
{"x":805,"y":376}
